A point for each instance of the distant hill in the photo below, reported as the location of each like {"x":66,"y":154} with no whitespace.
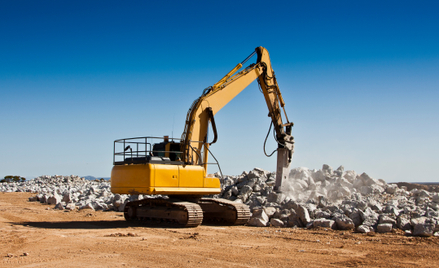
{"x":428,"y":186}
{"x":92,"y":178}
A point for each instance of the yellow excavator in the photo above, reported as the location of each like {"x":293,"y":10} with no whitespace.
{"x":173,"y":172}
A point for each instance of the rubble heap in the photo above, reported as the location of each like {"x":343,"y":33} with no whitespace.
{"x":336,"y":199}
{"x":71,"y":192}
{"x":328,"y":198}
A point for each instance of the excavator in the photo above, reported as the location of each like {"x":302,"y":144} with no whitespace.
{"x":173,"y":172}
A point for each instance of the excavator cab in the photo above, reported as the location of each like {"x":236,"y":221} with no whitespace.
{"x":169,"y":149}
{"x":152,"y":165}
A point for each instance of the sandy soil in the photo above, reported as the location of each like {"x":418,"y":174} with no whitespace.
{"x":35,"y":235}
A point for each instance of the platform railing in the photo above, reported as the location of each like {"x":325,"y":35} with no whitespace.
{"x":126,"y":150}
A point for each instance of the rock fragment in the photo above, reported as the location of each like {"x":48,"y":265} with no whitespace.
{"x":323,"y":223}
{"x":424,"y":229}
{"x":277,"y":223}
{"x":365,"y":229}
{"x":259,"y":218}
{"x":344,"y":223}
{"x":384,"y":227}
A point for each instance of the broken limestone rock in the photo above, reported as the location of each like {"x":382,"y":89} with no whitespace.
{"x":54,"y":199}
{"x":365,"y":229}
{"x":303,"y":214}
{"x":277,"y":223}
{"x":88,"y":206}
{"x":67,"y":198}
{"x":270,"y":211}
{"x":33,"y":198}
{"x":384,"y":227}
{"x":293,"y":220}
{"x":323,"y":223}
{"x":275,"y":197}
{"x":259,"y":218}
{"x":370,"y":218}
{"x":424,"y":229}
{"x":60,"y":206}
{"x":344,"y":223}
{"x":386,"y":219}
{"x":356,"y":217}
{"x":70,"y":206}
{"x":391,"y":188}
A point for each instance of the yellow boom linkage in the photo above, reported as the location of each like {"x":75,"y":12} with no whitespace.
{"x":216,"y":97}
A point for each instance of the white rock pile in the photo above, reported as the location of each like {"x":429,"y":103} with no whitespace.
{"x":327,"y":198}
{"x":71,"y":192}
{"x":336,"y":199}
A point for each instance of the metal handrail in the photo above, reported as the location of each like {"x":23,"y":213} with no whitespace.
{"x":142,"y":147}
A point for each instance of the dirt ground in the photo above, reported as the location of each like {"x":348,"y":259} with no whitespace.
{"x":35,"y":235}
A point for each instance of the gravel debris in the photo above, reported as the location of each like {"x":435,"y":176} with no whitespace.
{"x":325,"y":198}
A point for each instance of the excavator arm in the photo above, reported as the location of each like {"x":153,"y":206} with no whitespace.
{"x":214,"y":98}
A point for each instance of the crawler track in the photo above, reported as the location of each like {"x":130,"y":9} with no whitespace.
{"x":179,"y":213}
{"x":187,"y":214}
{"x":224,"y":211}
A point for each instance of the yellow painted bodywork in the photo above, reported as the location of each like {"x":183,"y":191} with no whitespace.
{"x":162,"y":179}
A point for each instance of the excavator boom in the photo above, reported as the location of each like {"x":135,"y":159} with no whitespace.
{"x":216,"y":97}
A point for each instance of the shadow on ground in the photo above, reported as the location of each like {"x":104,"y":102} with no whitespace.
{"x":93,"y":224}
{"x":102,"y":224}
{"x":78,"y":224}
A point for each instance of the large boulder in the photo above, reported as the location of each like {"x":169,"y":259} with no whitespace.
{"x":384,"y":227}
{"x":54,"y":199}
{"x":344,"y":223}
{"x":325,"y":223}
{"x":303,"y":214}
{"x":426,"y":228}
{"x":277,"y":223}
{"x":259,"y":218}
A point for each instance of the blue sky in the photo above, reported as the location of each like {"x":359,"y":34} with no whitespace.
{"x":359,"y":78}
